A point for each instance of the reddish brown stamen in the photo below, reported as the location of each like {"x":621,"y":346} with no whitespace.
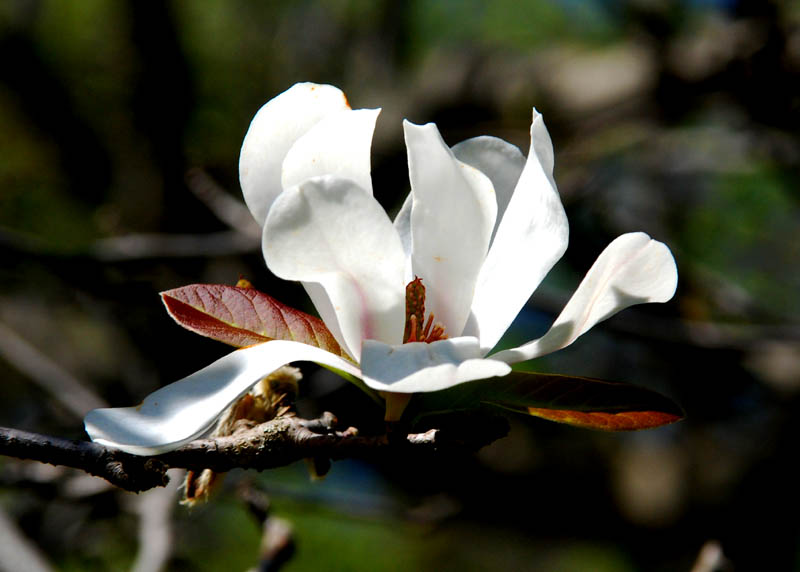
{"x":437,"y":333}
{"x":411,"y":329}
{"x":417,"y":328}
{"x":427,"y":329}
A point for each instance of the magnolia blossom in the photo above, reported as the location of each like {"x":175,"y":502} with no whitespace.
{"x":480,"y":229}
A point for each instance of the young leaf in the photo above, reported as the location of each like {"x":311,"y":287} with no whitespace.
{"x":579,"y":401}
{"x":244,"y":316}
{"x":603,"y":421}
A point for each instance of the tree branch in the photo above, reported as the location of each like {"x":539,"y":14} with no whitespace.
{"x":276,"y":443}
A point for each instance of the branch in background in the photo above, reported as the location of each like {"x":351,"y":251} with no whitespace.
{"x":711,"y":558}
{"x":276,"y":443}
{"x":143,"y":246}
{"x":62,"y":385}
{"x":704,"y":334}
{"x":277,"y":537}
{"x":17,"y":552}
{"x":154,"y":508}
{"x":227,"y":209}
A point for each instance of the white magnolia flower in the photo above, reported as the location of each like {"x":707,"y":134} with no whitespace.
{"x":481,"y":228}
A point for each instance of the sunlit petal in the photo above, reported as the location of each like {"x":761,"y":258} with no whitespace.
{"x":499,"y":160}
{"x":452,"y":218}
{"x":187,"y":409}
{"x":322,"y":302}
{"x":338,"y":145}
{"x":273,"y":131}
{"x":402,"y":224}
{"x":419,"y":367}
{"x":530,"y":239}
{"x":633,"y":269}
{"x":331,"y":232}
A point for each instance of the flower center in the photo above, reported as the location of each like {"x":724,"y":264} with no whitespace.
{"x":417,"y":328}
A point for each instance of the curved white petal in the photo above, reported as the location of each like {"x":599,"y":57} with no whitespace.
{"x":331,"y":232}
{"x":530,"y":239}
{"x":402,"y":224}
{"x":421,"y":367}
{"x":185,"y":410}
{"x":499,"y":160}
{"x":633,"y":269}
{"x":326,"y":311}
{"x":273,"y":131}
{"x":338,"y":145}
{"x":452,"y":217}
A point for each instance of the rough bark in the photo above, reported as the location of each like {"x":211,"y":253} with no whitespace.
{"x":275,"y":443}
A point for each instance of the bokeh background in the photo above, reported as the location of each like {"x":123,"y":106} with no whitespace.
{"x":120,"y":127}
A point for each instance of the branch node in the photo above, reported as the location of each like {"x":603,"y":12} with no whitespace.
{"x":324,"y":425}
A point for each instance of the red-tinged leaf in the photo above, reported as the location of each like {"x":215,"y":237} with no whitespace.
{"x":626,"y":421}
{"x":579,"y":401}
{"x":244,"y":317}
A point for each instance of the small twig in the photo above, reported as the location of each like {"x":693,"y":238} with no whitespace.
{"x":277,"y":542}
{"x":62,"y":385}
{"x":229,"y":210}
{"x":17,"y":552}
{"x":141,"y":246}
{"x":704,"y":334}
{"x":276,"y":443}
{"x":154,"y":509}
{"x":711,"y":558}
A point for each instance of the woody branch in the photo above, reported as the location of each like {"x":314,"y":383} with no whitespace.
{"x":272,"y":444}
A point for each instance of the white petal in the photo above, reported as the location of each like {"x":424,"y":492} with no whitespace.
{"x":331,"y":232}
{"x":274,"y":129}
{"x":421,"y":367}
{"x":402,"y":224}
{"x":452,"y":218}
{"x":187,"y":409}
{"x":338,"y":145}
{"x":499,"y":160}
{"x":530,"y":239}
{"x":324,"y":306}
{"x":633,"y":269}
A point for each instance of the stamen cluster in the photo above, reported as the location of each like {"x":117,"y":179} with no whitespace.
{"x":417,"y":328}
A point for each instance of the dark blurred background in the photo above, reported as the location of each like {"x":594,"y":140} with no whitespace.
{"x":120,"y":127}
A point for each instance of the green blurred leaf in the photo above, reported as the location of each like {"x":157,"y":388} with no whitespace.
{"x":745,"y":231}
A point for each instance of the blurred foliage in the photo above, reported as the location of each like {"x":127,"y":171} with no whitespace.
{"x":745,"y":216}
{"x":678,"y":118}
